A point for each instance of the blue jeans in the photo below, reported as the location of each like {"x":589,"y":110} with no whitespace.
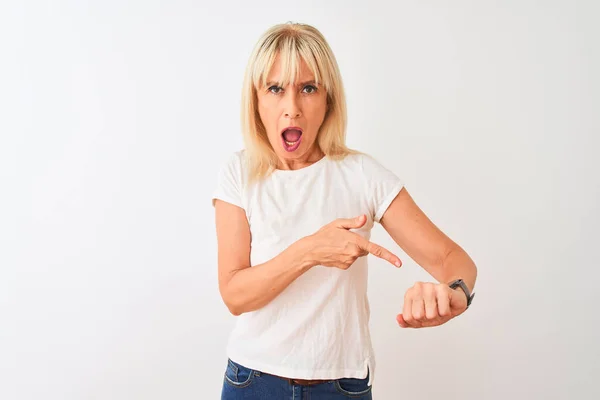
{"x":244,"y":383}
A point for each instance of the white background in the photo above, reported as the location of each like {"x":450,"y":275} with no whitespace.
{"x":114,"y":116}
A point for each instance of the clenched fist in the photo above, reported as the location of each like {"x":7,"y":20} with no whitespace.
{"x":430,"y":304}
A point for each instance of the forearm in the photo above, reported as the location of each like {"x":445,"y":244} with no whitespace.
{"x":457,"y":264}
{"x":252,"y":288}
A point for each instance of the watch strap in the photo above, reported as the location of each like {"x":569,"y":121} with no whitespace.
{"x":459,"y":283}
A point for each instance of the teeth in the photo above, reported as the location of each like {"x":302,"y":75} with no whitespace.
{"x":290,"y":143}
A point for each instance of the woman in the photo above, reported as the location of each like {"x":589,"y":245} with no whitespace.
{"x":294,"y":210}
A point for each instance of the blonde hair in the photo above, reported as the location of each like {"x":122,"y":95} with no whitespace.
{"x":293,"y":42}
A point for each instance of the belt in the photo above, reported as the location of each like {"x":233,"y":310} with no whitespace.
{"x":302,"y":382}
{"x":306,"y":382}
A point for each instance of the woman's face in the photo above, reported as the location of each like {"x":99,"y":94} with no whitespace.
{"x":301,"y":107}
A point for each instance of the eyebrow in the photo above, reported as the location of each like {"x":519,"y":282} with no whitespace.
{"x":311,"y":82}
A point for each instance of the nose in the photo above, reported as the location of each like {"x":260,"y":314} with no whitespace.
{"x":292,"y":107}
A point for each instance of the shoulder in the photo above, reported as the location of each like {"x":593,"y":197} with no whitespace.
{"x":233,"y":162}
{"x":230,"y":179}
{"x":231,"y":169}
{"x":235,"y":158}
{"x":374,"y":172}
{"x":362,"y":162}
{"x":351,"y":160}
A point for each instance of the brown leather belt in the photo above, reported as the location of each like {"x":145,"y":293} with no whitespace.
{"x":306,"y":382}
{"x":302,"y":382}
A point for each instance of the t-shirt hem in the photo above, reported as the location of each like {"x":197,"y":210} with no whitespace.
{"x":303,"y":374}
{"x":226,"y":199}
{"x":387,"y":201}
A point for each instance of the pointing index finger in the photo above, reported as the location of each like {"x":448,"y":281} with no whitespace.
{"x":379,"y":251}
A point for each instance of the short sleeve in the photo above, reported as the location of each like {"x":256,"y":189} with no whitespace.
{"x":383,"y":186}
{"x":229,"y":181}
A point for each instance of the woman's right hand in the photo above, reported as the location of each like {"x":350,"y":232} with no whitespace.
{"x":335,"y":246}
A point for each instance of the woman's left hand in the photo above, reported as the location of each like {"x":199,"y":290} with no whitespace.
{"x":429,"y":304}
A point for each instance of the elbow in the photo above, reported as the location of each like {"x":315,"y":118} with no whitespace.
{"x":234,"y":310}
{"x":237,"y":302}
{"x":231,"y":296}
{"x":234,"y":307}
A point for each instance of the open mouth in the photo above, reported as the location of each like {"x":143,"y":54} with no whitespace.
{"x":291,"y":137}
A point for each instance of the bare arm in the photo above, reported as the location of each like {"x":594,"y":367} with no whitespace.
{"x":425,"y":243}
{"x":427,"y":304}
{"x":245,"y":289}
{"x":242,"y":288}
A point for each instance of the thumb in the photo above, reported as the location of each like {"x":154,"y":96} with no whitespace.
{"x":351,"y":223}
{"x":401,"y":321}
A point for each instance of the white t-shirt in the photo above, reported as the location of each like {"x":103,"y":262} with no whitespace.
{"x":318,"y":327}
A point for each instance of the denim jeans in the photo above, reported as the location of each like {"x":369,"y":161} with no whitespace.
{"x":244,"y":383}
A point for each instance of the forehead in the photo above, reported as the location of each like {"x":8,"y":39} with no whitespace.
{"x":289,"y":71}
{"x":278,"y":70}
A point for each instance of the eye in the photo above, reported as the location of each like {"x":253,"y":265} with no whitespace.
{"x":275,"y":89}
{"x":312,"y":88}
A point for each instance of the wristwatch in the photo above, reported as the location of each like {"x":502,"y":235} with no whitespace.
{"x":461,"y":284}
